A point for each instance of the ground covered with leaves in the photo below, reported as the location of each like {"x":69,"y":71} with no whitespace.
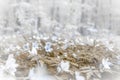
{"x":66,"y":60}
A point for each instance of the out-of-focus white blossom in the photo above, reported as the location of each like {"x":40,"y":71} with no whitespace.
{"x":54,"y":38}
{"x":63,"y":66}
{"x":7,"y":71}
{"x":18,"y":47}
{"x":74,"y":55}
{"x":59,"y":69}
{"x":6,"y":77}
{"x":34,"y":51}
{"x":108,"y":45}
{"x":12,"y":47}
{"x":78,"y":76}
{"x":11,"y":64}
{"x":106,"y":64}
{"x":65,"y":54}
{"x":40,"y":73}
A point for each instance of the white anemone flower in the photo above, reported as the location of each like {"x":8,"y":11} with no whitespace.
{"x":106,"y":63}
{"x":34,"y":51}
{"x":63,"y":66}
{"x":48,"y":47}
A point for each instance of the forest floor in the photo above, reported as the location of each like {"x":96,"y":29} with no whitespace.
{"x":97,"y":60}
